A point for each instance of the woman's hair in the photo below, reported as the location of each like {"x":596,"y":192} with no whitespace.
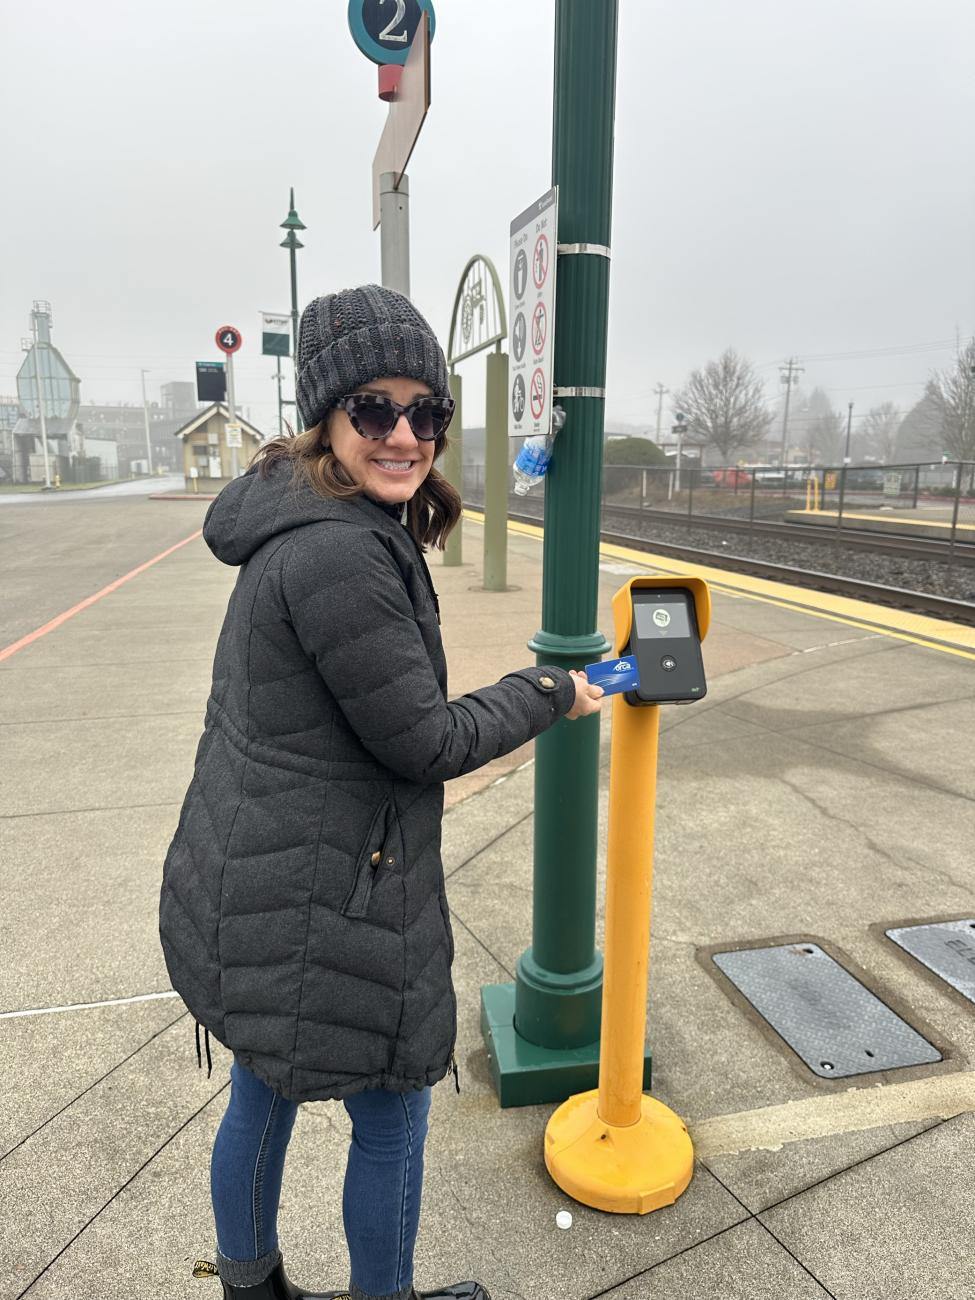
{"x":431,"y":513}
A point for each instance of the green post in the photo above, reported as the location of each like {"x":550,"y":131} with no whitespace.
{"x":293,"y":223}
{"x":543,"y":1032}
{"x":496,"y":473}
{"x":451,"y":466}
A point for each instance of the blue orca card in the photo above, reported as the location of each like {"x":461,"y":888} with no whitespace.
{"x":615,"y":675}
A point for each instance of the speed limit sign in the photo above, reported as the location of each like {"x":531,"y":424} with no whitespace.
{"x":228,"y":339}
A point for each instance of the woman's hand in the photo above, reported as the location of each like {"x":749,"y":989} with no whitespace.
{"x":589,"y":698}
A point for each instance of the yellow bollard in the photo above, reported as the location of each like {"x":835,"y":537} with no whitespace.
{"x":616,"y":1148}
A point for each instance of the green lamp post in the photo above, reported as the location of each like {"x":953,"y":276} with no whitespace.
{"x":542,"y":1031}
{"x":292,"y":243}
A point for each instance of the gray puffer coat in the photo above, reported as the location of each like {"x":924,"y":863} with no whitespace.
{"x":303,"y":915}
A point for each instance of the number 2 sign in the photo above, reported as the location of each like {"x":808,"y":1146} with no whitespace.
{"x":384,"y":29}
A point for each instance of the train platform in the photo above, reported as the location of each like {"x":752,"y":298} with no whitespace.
{"x":822,"y":793}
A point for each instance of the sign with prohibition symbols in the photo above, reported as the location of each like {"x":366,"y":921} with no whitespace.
{"x":533,"y":239}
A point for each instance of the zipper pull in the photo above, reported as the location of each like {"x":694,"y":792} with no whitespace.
{"x":436,"y":606}
{"x":452,"y":1068}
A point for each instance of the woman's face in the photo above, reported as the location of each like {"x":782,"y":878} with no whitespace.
{"x":389,"y":469}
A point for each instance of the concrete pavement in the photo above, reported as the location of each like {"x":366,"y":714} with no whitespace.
{"x":823,"y":787}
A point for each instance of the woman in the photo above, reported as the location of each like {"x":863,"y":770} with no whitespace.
{"x":303,"y":914}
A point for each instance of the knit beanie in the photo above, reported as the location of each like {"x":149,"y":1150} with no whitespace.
{"x":353,"y":337}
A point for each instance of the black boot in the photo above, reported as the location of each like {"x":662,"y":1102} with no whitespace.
{"x":275,"y":1286}
{"x":459,"y":1291}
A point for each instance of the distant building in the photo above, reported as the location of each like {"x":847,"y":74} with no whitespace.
{"x":9,"y":415}
{"x":178,"y":401}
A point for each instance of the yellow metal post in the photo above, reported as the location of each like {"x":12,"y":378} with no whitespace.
{"x":616,"y":1148}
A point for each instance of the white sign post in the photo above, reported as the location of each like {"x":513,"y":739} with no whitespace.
{"x":532,"y":318}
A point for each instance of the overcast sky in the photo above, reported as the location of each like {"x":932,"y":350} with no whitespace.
{"x":789,"y":179}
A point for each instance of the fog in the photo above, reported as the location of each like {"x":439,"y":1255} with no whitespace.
{"x":789,"y":180}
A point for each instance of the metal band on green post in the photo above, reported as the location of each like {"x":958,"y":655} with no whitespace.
{"x":551,"y":1050}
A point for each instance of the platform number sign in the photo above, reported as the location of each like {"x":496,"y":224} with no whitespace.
{"x":228,"y":339}
{"x":533,"y":246}
{"x":384,"y":29}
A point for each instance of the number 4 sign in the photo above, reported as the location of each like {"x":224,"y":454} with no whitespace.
{"x":228,"y":339}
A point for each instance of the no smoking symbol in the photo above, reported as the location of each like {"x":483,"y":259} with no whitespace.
{"x":539,"y":327}
{"x":540,"y":261}
{"x":538,"y":394}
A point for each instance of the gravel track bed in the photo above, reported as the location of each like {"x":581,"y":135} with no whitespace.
{"x":929,"y":576}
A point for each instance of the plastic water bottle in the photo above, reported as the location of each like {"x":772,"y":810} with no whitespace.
{"x":531,"y":463}
{"x":535,"y":456}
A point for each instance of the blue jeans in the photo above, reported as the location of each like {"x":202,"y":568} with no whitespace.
{"x":383,"y":1182}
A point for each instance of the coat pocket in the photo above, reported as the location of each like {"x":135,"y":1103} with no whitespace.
{"x":368,"y":862}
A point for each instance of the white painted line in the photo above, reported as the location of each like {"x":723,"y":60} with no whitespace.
{"x":770,"y":1128}
{"x":88,"y":1006}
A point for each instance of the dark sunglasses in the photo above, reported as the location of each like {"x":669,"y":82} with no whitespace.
{"x":376,"y":417}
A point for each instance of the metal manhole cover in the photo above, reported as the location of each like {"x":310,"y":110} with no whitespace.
{"x":832,"y":1021}
{"x":946,"y":947}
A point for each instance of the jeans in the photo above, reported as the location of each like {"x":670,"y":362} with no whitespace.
{"x":381,"y":1199}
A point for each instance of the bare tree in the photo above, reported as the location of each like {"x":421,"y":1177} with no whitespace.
{"x":878,"y":434}
{"x":724,"y":403}
{"x":953,"y":392}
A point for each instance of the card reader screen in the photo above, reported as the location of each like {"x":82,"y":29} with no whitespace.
{"x":661,"y":619}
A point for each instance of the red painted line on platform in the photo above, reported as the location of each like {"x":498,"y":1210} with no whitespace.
{"x":31,"y":637}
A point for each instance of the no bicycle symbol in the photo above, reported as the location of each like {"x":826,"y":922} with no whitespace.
{"x":538,"y":394}
{"x":539,"y":327}
{"x":539,"y":261}
{"x":518,"y":397}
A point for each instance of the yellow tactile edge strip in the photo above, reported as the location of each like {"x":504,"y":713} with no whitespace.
{"x":932,"y":633}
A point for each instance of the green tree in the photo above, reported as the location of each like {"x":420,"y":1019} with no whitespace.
{"x":820,"y":428}
{"x":632,"y":451}
{"x":725,"y":406}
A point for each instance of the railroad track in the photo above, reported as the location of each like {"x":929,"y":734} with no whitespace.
{"x":956,"y":611}
{"x":907,"y":548}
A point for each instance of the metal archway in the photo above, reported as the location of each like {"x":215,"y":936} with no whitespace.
{"x":478,"y":310}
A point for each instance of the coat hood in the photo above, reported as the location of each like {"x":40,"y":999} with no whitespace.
{"x":253,"y":509}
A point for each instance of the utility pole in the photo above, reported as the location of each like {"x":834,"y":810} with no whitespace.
{"x":849,"y":424}
{"x":789,"y":373}
{"x":558,"y":984}
{"x":232,"y":413}
{"x":293,"y":223}
{"x":661,"y":394}
{"x":40,"y":393}
{"x":145,"y":416}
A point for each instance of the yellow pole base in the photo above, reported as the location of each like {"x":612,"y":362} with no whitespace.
{"x":631,"y":1170}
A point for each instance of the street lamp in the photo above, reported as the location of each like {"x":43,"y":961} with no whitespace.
{"x":292,"y":243}
{"x":849,"y":426}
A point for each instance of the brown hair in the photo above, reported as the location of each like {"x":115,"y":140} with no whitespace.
{"x":431,"y":513}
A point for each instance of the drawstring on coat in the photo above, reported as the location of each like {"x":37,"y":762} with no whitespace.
{"x":206,"y":1040}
